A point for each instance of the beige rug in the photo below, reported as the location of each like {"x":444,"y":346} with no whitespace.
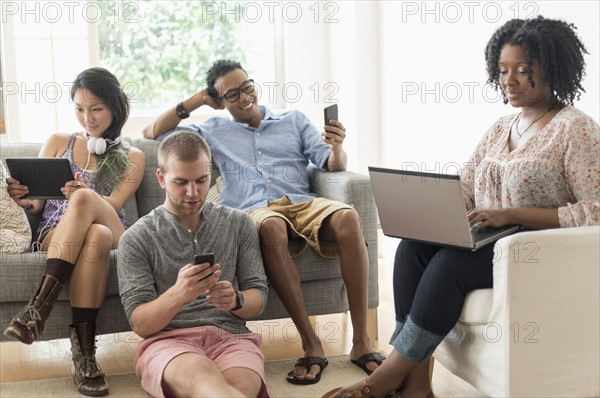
{"x":339,"y":372}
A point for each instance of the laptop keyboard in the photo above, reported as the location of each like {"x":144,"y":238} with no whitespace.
{"x":484,"y":233}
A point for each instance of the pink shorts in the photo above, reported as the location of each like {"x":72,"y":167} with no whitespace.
{"x":233,"y":349}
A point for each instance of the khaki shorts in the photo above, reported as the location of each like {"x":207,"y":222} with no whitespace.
{"x":303,"y":220}
{"x":225,"y":349}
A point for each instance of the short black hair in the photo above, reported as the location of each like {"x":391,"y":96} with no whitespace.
{"x":218,"y":69}
{"x":554,"y":44}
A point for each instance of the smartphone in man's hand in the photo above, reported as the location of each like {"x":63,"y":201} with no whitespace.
{"x":205,"y":258}
{"x":331,"y":113}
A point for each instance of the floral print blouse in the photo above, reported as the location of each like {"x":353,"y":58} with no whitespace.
{"x":559,"y":167}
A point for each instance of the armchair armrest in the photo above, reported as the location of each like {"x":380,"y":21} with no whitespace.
{"x":354,"y":189}
{"x":351,"y":188}
{"x":547,"y":268}
{"x":546,"y":300}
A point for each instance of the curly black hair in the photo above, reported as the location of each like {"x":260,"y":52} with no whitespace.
{"x":218,"y":69}
{"x":554,"y":44}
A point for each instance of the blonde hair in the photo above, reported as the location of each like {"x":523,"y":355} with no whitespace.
{"x":184,"y":145}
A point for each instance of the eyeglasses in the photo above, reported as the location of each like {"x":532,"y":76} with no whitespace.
{"x":233,"y":95}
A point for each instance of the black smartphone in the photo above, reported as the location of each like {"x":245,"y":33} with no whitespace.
{"x":331,"y":112}
{"x":204,"y":258}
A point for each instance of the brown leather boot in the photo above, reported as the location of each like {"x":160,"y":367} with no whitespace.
{"x":29,"y":323}
{"x":87,"y":374}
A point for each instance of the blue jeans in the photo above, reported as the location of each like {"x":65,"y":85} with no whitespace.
{"x":430,"y":285}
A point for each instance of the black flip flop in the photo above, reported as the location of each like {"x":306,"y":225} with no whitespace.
{"x":307,"y":363}
{"x":370,"y":357}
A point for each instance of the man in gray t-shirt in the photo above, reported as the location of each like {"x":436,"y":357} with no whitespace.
{"x":193,"y":316}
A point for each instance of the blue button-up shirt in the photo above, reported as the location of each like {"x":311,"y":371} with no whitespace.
{"x":264,"y":163}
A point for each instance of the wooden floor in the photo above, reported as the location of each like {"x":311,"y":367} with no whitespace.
{"x":47,"y":360}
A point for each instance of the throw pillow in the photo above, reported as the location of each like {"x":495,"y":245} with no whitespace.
{"x":15,"y":231}
{"x":214,"y":193}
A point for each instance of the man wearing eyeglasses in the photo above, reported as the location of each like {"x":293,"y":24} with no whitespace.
{"x":262,"y":159}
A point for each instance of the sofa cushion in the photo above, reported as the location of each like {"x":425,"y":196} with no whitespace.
{"x":149,"y":194}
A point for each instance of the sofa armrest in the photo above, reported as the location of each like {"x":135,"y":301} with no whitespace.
{"x":546,"y":299}
{"x":353,"y":189}
{"x":348,"y":187}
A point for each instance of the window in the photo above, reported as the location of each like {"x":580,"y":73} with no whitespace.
{"x":42,"y":56}
{"x":159,"y":50}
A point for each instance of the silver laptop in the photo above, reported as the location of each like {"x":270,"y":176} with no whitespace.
{"x":429,"y":208}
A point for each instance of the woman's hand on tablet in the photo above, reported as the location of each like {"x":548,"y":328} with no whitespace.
{"x":73,"y":185}
{"x":16,"y":191}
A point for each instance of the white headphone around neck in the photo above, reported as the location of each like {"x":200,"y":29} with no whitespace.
{"x":99,"y":145}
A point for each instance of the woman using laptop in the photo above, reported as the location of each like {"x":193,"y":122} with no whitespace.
{"x":537,"y":168}
{"x":78,"y":232}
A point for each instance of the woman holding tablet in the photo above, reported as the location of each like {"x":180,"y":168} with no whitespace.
{"x":78,"y":232}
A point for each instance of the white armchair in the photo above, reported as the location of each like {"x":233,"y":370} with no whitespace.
{"x":536,"y":333}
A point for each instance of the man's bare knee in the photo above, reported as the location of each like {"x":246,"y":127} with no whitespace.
{"x":187,"y":371}
{"x":273,"y":230}
{"x":342,"y":225}
{"x":246,"y":381}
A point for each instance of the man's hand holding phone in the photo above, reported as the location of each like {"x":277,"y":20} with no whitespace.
{"x":195,"y":280}
{"x":220,"y":293}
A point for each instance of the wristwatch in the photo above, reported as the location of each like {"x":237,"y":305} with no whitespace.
{"x":239,"y":300}
{"x":181,"y":112}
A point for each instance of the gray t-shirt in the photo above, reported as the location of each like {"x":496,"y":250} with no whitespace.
{"x":157,"y":246}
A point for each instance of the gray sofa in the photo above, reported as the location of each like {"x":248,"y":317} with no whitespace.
{"x":322,"y":285}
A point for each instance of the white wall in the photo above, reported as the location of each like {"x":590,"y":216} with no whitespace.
{"x":411,"y":75}
{"x":435,"y":105}
{"x":339,"y":51}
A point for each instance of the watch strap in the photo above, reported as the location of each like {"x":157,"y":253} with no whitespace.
{"x":181,"y":111}
{"x":239,"y":301}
